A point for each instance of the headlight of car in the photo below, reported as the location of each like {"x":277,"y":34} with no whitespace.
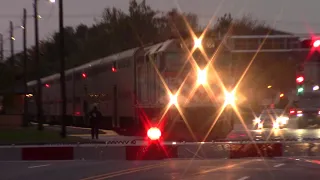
{"x":282,"y":120}
{"x":257,"y":120}
{"x":276,"y":125}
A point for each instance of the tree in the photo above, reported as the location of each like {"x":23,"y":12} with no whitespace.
{"x":177,"y":24}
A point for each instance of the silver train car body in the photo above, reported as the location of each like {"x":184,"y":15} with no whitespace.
{"x":113,"y":92}
{"x":133,"y":95}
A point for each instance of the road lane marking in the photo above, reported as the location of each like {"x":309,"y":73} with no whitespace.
{"x":231,"y":166}
{"x":278,"y":165}
{"x":128,"y":172}
{"x":44,"y":165}
{"x":124,"y":171}
{"x":244,"y":178}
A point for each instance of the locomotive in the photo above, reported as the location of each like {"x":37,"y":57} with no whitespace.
{"x":141,"y":88}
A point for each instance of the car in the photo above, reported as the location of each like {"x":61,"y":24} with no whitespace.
{"x":271,"y":118}
{"x":306,"y":111}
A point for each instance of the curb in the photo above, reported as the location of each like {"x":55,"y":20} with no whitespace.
{"x":85,"y":152}
{"x":140,"y":151}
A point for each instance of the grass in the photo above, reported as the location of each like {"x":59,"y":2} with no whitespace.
{"x":31,"y":135}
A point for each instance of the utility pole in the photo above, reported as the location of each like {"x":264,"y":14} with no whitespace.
{"x":25,"y":58}
{"x":38,"y":68}
{"x":62,"y":68}
{"x":11,"y":44}
{"x":1,"y":48}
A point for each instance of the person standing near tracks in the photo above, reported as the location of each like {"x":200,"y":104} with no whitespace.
{"x":95,"y":118}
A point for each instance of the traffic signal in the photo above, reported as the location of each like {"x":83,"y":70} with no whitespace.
{"x":84,"y":75}
{"x":281,"y":95}
{"x":300,"y":89}
{"x":47,"y":85}
{"x":300,"y":79}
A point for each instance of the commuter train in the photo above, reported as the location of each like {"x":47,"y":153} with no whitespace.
{"x":136,"y":89}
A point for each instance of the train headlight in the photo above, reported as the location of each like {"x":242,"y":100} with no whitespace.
{"x":197,"y":43}
{"x":202,"y":76}
{"x":229,"y":98}
{"x":173,"y":99}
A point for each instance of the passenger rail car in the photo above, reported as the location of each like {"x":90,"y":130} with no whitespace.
{"x":131,"y":90}
{"x":107,"y":82}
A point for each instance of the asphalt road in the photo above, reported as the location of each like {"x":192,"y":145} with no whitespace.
{"x":241,"y":169}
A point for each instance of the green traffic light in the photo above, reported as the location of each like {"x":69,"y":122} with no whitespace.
{"x":300,"y":90}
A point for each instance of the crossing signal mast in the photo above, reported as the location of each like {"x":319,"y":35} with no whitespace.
{"x":300,"y":43}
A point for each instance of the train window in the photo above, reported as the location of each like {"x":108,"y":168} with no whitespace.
{"x":69,"y":77}
{"x":174,"y":60}
{"x":77,"y":99}
{"x":124,"y":63}
{"x":108,"y":66}
{"x":147,"y":58}
{"x":140,"y":60}
{"x":97,"y":70}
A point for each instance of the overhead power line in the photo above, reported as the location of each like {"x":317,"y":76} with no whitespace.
{"x":5,"y":16}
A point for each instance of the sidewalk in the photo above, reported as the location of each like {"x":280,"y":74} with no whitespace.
{"x":79,"y":131}
{"x":85,"y":133}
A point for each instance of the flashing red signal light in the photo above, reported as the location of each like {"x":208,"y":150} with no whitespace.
{"x":300,"y":79}
{"x":114,"y":69}
{"x":84,"y":75}
{"x":47,"y":85}
{"x":316,"y":43}
{"x":154,"y":133}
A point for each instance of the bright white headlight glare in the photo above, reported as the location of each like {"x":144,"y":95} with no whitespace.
{"x":260,"y":126}
{"x":276,"y":125}
{"x":282,"y":120}
{"x":257,"y":120}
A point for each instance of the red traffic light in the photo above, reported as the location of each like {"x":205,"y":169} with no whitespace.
{"x":316,"y":43}
{"x":47,"y":85}
{"x":84,"y":75}
{"x":300,"y":79}
{"x":114,"y":69}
